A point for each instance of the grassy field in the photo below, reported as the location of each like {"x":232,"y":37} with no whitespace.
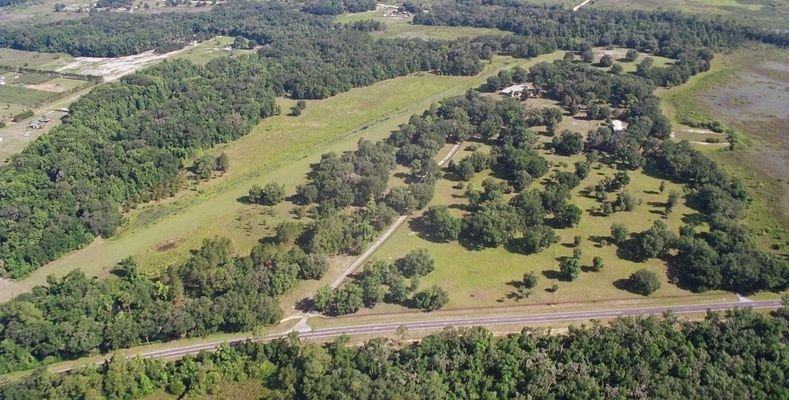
{"x":29,"y":59}
{"x":23,"y":96}
{"x":209,"y":50}
{"x":279,"y":149}
{"x":762,"y":165}
{"x":482,"y":278}
{"x":402,"y":27}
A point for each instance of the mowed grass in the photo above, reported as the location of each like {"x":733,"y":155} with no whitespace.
{"x":484,"y":278}
{"x":23,"y":96}
{"x":210,"y":49}
{"x":280,"y":149}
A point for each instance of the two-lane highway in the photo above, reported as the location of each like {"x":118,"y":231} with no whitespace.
{"x":439,"y":324}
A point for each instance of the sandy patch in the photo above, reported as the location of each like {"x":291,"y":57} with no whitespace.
{"x":114,"y":68}
{"x":53,"y":87}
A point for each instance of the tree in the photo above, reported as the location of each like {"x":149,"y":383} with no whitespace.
{"x":301,"y":104}
{"x":653,"y":242}
{"x":567,"y":216}
{"x":204,"y":166}
{"x":440,"y":224}
{"x":222,"y":162}
{"x":269,"y":195}
{"x":631,"y":55}
{"x":619,"y":233}
{"x":597,"y":264}
{"x":673,"y":199}
{"x":568,"y":143}
{"x":644,"y":282}
{"x":431,"y":299}
{"x":530,"y":280}
{"x":347,"y":300}
{"x":240,"y":43}
{"x":616,"y":69}
{"x":415,"y":263}
{"x":313,"y":266}
{"x":606,"y":61}
{"x":295,"y":111}
{"x":570,"y":267}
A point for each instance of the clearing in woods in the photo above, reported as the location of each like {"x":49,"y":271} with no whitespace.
{"x":280,"y":149}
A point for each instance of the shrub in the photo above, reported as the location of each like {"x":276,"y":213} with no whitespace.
{"x":644,"y":282}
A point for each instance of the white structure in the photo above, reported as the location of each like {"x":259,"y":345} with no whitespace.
{"x":514,"y":90}
{"x":617,"y":125}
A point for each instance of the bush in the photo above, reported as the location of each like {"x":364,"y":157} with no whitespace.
{"x":644,"y":282}
{"x":416,"y":263}
{"x":269,"y":195}
{"x":23,"y":115}
{"x":431,"y":299}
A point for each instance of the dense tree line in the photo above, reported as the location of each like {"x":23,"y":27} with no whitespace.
{"x":212,"y":291}
{"x":337,"y":7}
{"x":120,"y":145}
{"x":665,"y":33}
{"x":739,"y":354}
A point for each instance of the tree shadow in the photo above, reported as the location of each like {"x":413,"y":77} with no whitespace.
{"x":656,"y":203}
{"x":600,"y":241}
{"x":245,"y":199}
{"x":305,"y":304}
{"x":418,"y":225}
{"x":694,"y":219}
{"x":551,"y":274}
{"x":658,"y":212}
{"x":623,"y":284}
{"x":651,"y":192}
{"x":587,"y":268}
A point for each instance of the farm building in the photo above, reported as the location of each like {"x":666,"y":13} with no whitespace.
{"x":518,"y":89}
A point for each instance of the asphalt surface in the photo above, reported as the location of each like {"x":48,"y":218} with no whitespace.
{"x":439,"y":324}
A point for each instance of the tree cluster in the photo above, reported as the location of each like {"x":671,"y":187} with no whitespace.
{"x":385,"y":282}
{"x":212,"y":291}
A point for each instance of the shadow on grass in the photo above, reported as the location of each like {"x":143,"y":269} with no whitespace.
{"x":551,"y":274}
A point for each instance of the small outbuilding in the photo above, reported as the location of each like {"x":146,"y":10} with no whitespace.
{"x":617,"y":125}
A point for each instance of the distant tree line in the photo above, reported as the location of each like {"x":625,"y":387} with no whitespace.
{"x":737,"y":354}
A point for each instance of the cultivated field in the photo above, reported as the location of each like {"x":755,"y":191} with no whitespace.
{"x":279,"y":149}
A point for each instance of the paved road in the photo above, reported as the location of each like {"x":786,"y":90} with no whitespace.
{"x":439,"y":324}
